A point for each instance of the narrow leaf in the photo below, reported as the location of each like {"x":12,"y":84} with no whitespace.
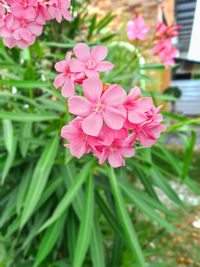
{"x":40,"y":176}
{"x":86,"y":226}
{"x":125,"y":219}
{"x":70,"y":195}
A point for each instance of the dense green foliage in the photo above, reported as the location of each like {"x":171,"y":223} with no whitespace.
{"x":56,"y":210}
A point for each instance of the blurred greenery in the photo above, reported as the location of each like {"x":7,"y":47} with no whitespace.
{"x":59,"y":211}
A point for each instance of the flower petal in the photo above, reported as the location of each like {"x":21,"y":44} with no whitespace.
{"x":92,"y":124}
{"x":61,"y":66}
{"x":92,"y":89}
{"x":113,"y":118}
{"x":115,"y":95}
{"x":59,"y":80}
{"x":68,"y":88}
{"x":103,"y":157}
{"x":116,"y":160}
{"x":104,"y":66}
{"x":78,"y":149}
{"x":92,"y":74}
{"x":79,"y":106}
{"x":76,"y":65}
{"x":136,"y":117}
{"x":82,"y":52}
{"x":127,"y":152}
{"x":98,"y":53}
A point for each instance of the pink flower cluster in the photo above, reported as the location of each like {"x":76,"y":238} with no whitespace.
{"x":137,"y":29}
{"x":21,"y":21}
{"x":163,"y":44}
{"x":75,"y":70}
{"x":108,"y":121}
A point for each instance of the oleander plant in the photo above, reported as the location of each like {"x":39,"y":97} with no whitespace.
{"x":82,"y":138}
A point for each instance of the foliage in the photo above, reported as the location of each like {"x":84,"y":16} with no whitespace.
{"x":55,"y":209}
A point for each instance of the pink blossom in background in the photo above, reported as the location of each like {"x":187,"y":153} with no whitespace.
{"x":26,"y":18}
{"x":137,"y":29}
{"x":91,"y":63}
{"x":165,"y":51}
{"x":164,"y":31}
{"x":67,"y":79}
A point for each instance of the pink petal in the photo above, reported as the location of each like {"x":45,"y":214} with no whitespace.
{"x":17,"y":10}
{"x":113,"y":118}
{"x":35,"y":28}
{"x":68,"y":88}
{"x":104,"y":66}
{"x":136,"y":117}
{"x":66,"y":14}
{"x":92,"y":74}
{"x":144,"y":104}
{"x":116,"y":160}
{"x":135,"y":93}
{"x":99,"y":53}
{"x":78,"y":149}
{"x":103,"y":157}
{"x":82,"y":52}
{"x":79,"y":106}
{"x":29,"y":13}
{"x":127,"y":152}
{"x":92,"y":124}
{"x":145,"y":29}
{"x":130,"y":25}
{"x":76,"y":65}
{"x":59,"y":80}
{"x":92,"y":89}
{"x":61,"y":66}
{"x":131,"y":35}
{"x":68,"y":57}
{"x":115,"y":95}
{"x":69,"y":133}
{"x":146,"y":140}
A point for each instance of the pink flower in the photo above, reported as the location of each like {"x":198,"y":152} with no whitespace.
{"x":90,"y":63}
{"x":164,"y":31}
{"x":67,"y":79}
{"x":165,"y":51}
{"x":25,"y":19}
{"x":147,"y":133}
{"x":114,"y":147}
{"x":136,"y":29}
{"x":98,"y":107}
{"x":59,"y":9}
{"x":80,"y":143}
{"x":137,"y":107}
{"x":2,"y":13}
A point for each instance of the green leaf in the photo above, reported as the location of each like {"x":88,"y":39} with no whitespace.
{"x":51,"y":236}
{"x":96,"y":246}
{"x":8,"y":134}
{"x":110,"y":217}
{"x":39,"y":179}
{"x":70,"y":195}
{"x":125,"y":220}
{"x":9,"y":160}
{"x":25,"y":137}
{"x":23,"y":186}
{"x":189,"y":147}
{"x":86,"y":226}
{"x":22,"y":116}
{"x":160,"y":181}
{"x":144,"y":207}
{"x":25,"y":84}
